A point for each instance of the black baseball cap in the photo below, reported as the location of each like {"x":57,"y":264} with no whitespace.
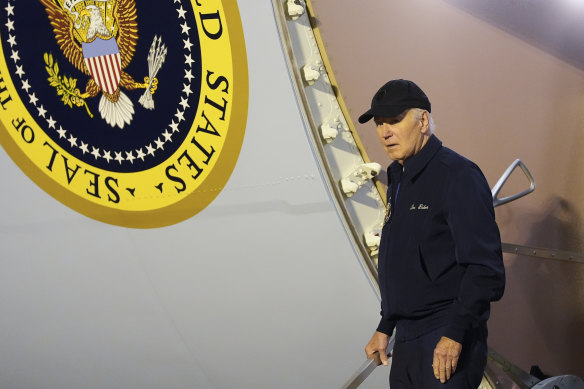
{"x":394,"y":98}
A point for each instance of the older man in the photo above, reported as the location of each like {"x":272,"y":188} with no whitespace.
{"x":440,"y":262}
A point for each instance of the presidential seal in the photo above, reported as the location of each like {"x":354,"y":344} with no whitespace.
{"x":132,"y":113}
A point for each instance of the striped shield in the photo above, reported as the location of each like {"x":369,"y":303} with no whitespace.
{"x":102,"y":58}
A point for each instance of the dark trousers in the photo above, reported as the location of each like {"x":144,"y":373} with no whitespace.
{"x":411,"y":365}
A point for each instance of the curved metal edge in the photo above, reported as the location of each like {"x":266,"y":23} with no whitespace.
{"x":366,"y":262}
{"x":312,"y":18}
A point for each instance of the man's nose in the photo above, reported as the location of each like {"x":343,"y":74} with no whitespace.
{"x":386,"y":130}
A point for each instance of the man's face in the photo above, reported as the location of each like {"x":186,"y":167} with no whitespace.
{"x":404,"y":135}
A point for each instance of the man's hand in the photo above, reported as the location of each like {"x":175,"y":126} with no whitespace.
{"x":446,"y":356}
{"x":378,"y":342}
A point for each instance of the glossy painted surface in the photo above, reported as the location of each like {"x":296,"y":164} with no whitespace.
{"x":259,"y":290}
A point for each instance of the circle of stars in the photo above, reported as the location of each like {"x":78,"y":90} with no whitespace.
{"x":123,"y":156}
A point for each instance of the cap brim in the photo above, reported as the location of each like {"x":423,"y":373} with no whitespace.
{"x":386,"y":111}
{"x":365,"y":117}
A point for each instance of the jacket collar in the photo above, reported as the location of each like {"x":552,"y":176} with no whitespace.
{"x":415,"y":164}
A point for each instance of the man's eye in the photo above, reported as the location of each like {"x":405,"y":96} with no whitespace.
{"x":397,"y":119}
{"x":391,"y":121}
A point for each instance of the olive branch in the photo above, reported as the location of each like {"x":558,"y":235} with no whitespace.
{"x":66,"y":86}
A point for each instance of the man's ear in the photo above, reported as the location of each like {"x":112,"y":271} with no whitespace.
{"x":425,"y":120}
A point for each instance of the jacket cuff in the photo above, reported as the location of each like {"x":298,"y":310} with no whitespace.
{"x":454,"y":333}
{"x":386,"y":327}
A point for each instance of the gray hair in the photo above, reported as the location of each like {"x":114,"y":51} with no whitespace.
{"x":431,"y":125}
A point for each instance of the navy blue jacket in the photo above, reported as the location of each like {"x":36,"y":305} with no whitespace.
{"x":440,"y":261}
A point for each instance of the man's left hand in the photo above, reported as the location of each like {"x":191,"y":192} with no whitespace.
{"x":446,"y":356}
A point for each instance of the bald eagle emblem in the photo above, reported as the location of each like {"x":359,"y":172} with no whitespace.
{"x":99,"y":38}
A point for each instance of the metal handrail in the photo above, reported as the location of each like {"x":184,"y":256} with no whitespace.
{"x":497,"y":188}
{"x":511,"y":248}
{"x":363,"y":372}
{"x":367,"y":367}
